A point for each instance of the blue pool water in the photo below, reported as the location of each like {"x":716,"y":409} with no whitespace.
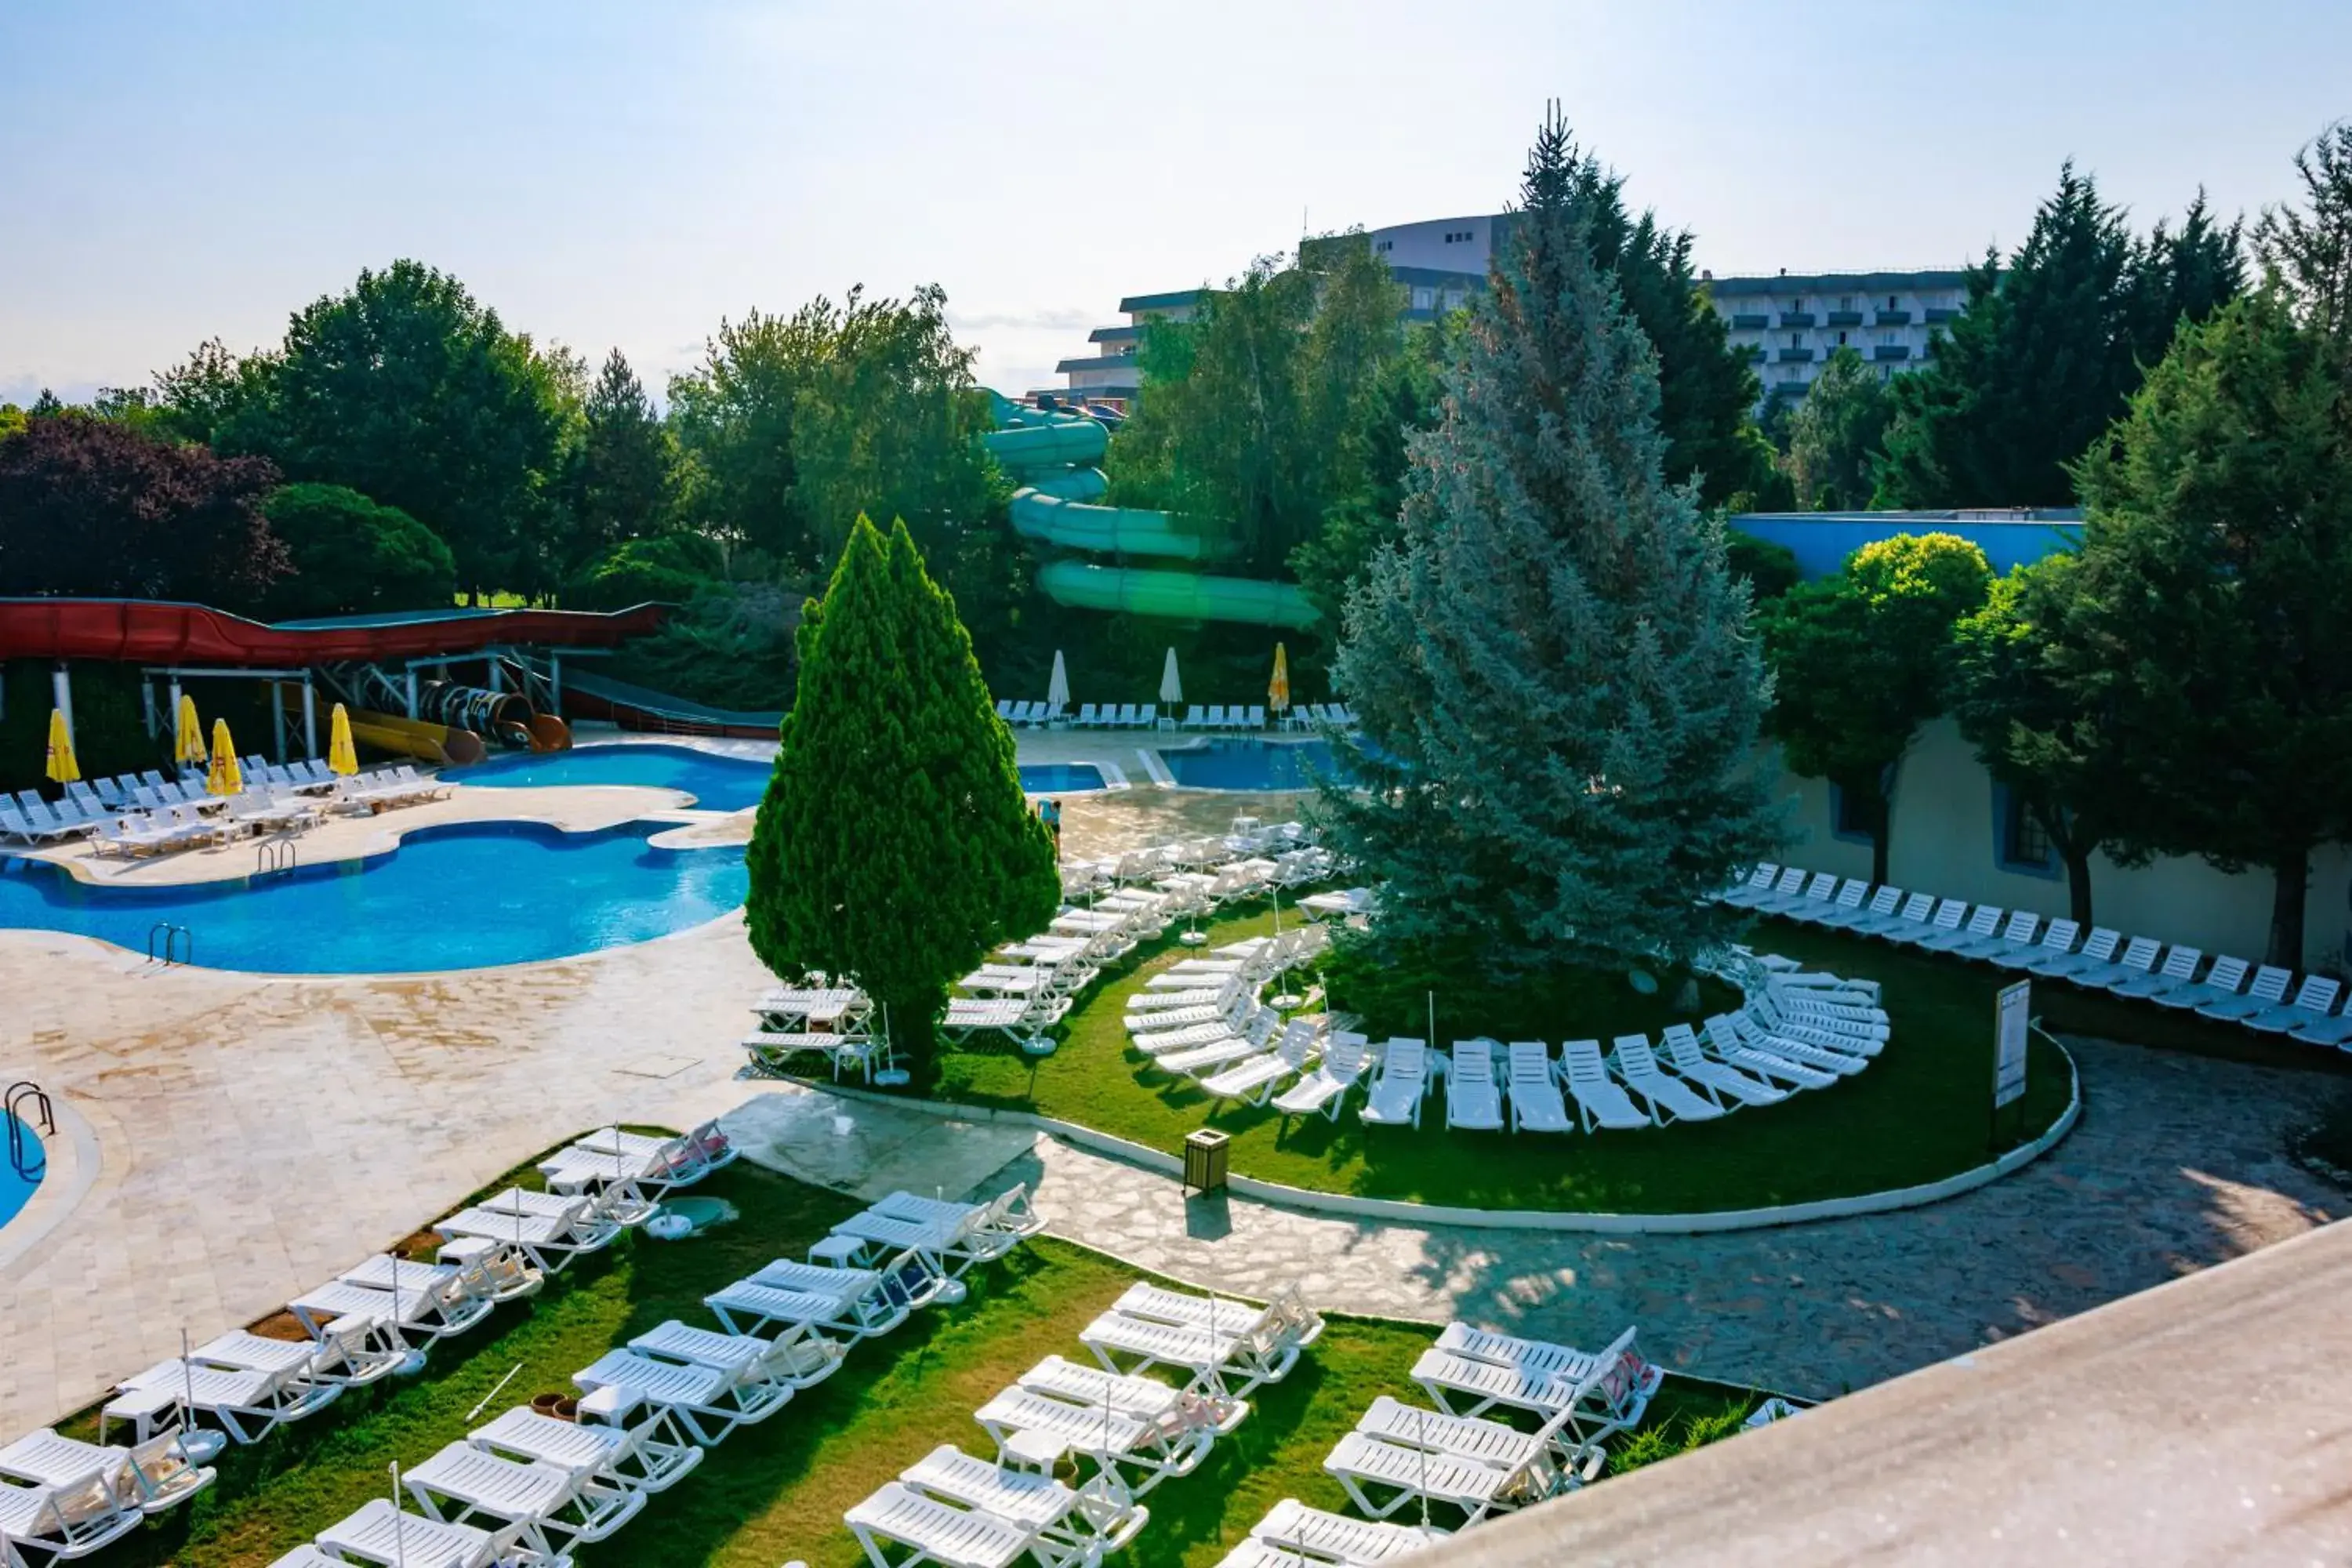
{"x":457,"y":897}
{"x":1060,"y":778}
{"x":1249,"y":765}
{"x":716,"y":783}
{"x":15,"y":1188}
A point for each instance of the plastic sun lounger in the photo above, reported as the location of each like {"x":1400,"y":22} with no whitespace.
{"x":2311,"y":1003}
{"x":2057,"y":940}
{"x":150,"y":1478}
{"x":2267,"y":991}
{"x":1291,"y":1534}
{"x":1144,"y":1398}
{"x":1474,"y":1101}
{"x":1535,"y":1102}
{"x":1725,"y":1039}
{"x":2178,"y":973}
{"x":1533,"y":1464}
{"x":932,"y":1532}
{"x":2134,"y":965}
{"x":1668,"y":1098}
{"x":247,"y":1404}
{"x":1259,"y":1348}
{"x":1252,"y":1080}
{"x":55,"y":1523}
{"x":1946,"y":921}
{"x":381,"y":1534}
{"x":1096,"y":1519}
{"x":1325,"y":1091}
{"x":1597,"y":1394}
{"x":1980,"y":925}
{"x":1882,"y":906}
{"x":1367,"y":1464}
{"x":1760,"y":882}
{"x":2097,"y":951}
{"x":1396,"y":1096}
{"x":549,"y":1506}
{"x":2013,"y":937}
{"x":1796,"y":1044}
{"x":1601,"y":1100}
{"x":988,"y":1230}
{"x":1712,"y":1078}
{"x":706,"y":1402}
{"x":650,"y":1456}
{"x":1113,"y":1441}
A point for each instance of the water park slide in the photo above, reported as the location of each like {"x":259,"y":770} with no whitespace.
{"x":1049,"y":454}
{"x":415,"y":738}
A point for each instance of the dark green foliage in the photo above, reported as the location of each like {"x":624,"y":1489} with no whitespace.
{"x":1253,"y":404}
{"x":407,"y":390}
{"x":2014,"y":704}
{"x":670,"y":569}
{"x":729,"y":646}
{"x":109,"y":727}
{"x":1552,"y":665}
{"x":1390,"y":988}
{"x":1862,"y":659}
{"x":1835,"y":438}
{"x":2047,"y":351}
{"x":1770,"y":569}
{"x":893,"y":846}
{"x":1402,"y":400}
{"x":621,"y":478}
{"x":2205,"y":623}
{"x":90,"y":507}
{"x":351,"y":555}
{"x":2311,"y":250}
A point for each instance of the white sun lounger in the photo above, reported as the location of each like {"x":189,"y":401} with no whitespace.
{"x":1230,"y":1361}
{"x":1944,"y":923}
{"x":2097,"y":951}
{"x":246,"y":1404}
{"x":549,"y":1241}
{"x":1716,"y":1079}
{"x":1474,"y":1101}
{"x":1399,"y":1453}
{"x":1096,"y":1519}
{"x":1981,"y":926}
{"x":2135,"y":964}
{"x":986,"y":1231}
{"x":1883,"y":905}
{"x":2057,"y":940}
{"x":1917,"y":912}
{"x":1668,"y":1098}
{"x":1535,"y":1102}
{"x":1600,"y":1395}
{"x":931,"y":1531}
{"x":381,"y":1535}
{"x":707,"y":1401}
{"x":150,"y":1478}
{"x":549,"y":1506}
{"x":2267,"y":989}
{"x":2177,"y":975}
{"x":1725,"y":1039}
{"x":1325,"y":1091}
{"x":1601,"y":1100}
{"x":1292,"y":1535}
{"x":1153,"y":1451}
{"x":45,"y":1524}
{"x":1396,"y":1096}
{"x":1252,"y":1079}
{"x":2311,"y":1003}
{"x":855,"y":1303}
{"x":649,"y":1456}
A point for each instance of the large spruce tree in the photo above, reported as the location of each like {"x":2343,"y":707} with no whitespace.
{"x":1557,"y":683}
{"x":894,"y":848}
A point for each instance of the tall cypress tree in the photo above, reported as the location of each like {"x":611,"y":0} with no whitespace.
{"x":894,"y":848}
{"x":1552,"y":665}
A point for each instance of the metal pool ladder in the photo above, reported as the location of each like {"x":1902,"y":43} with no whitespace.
{"x":170,"y":944}
{"x":30,"y":1164}
{"x":275,"y":856}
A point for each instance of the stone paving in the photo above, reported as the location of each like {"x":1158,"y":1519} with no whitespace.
{"x":255,"y":1133}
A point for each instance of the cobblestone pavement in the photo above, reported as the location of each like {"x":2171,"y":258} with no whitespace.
{"x":2176,"y":1164}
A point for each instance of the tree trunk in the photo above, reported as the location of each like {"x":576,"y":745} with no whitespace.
{"x":2078,"y":884}
{"x":2292,"y":882}
{"x":1882,"y":813}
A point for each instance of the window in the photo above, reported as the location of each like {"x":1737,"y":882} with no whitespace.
{"x":1890,"y":301}
{"x":1845,"y":301}
{"x":2025,"y":843}
{"x":1386,"y":245}
{"x":1454,"y":298}
{"x":1840,"y":339}
{"x":1849,"y":815}
{"x":1457,"y":237}
{"x":1795,"y":339}
{"x":1425,"y":299}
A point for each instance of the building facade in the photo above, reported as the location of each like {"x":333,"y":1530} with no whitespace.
{"x":1789,"y":324}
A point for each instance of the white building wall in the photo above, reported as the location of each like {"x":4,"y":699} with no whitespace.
{"x":1444,"y":243}
{"x":1942,"y":840}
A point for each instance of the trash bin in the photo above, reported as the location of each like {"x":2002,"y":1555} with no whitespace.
{"x":1204,"y":1160}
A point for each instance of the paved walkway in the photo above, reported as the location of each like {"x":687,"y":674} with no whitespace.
{"x":255,"y":1134}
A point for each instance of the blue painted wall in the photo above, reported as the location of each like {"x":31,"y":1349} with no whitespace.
{"x":1821,"y":541}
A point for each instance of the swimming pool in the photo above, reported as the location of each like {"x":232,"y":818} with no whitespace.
{"x":463,"y":896}
{"x":1061,"y":778}
{"x":716,"y":783}
{"x":15,"y":1187}
{"x":1242,"y":763}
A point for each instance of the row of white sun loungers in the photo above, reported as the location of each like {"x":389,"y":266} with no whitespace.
{"x":1146,"y":715}
{"x":61,"y":1499}
{"x":139,"y":818}
{"x":528,"y":1489}
{"x":1126,"y":1430}
{"x":2267,"y":998}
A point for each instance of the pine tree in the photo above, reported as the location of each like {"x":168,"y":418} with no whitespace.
{"x":1552,"y":665}
{"x":894,"y":848}
{"x":623,"y":479}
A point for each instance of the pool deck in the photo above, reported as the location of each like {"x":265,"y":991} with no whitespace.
{"x":249,"y":1135}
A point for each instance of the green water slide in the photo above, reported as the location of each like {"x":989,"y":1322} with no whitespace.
{"x":1050,"y":455}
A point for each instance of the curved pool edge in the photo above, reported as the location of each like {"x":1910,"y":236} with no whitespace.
{"x":74,"y":1165}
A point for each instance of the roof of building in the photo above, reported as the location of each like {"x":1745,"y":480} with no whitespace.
{"x":1097,"y":361}
{"x":1819,"y":282}
{"x":1174,"y":300}
{"x":1126,"y":334}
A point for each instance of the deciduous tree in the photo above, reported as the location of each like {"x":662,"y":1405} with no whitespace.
{"x":894,"y":848}
{"x":1553,"y":667}
{"x":1862,"y":659}
{"x":1836,"y":437}
{"x":351,"y":557}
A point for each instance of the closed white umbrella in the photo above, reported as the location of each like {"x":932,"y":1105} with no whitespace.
{"x":1057,"y":689}
{"x":1171,"y":689}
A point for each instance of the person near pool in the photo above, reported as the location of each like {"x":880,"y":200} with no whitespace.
{"x":1050,"y":811}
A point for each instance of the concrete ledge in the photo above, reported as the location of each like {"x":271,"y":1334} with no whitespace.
{"x":1405,"y":1213}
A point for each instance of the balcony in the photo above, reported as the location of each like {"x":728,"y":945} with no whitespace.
{"x":1884,"y":353}
{"x":1937,"y":315}
{"x":1845,"y":318}
{"x":1796,"y":356}
{"x":1797,"y":318}
{"x":1754,"y":353}
{"x":1893,"y":318}
{"x":1751,"y":323}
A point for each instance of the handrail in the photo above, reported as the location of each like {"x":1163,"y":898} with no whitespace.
{"x":179,"y":943}
{"x":21,"y":1092}
{"x":276,"y":855}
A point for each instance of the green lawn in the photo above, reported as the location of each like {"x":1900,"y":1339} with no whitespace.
{"x":1918,"y":1112}
{"x":778,"y":1490}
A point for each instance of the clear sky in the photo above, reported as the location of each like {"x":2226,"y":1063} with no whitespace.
{"x":629,"y":173}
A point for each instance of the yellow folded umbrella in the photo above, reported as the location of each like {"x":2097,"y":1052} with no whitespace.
{"x":342,"y":757}
{"x":190,"y":747}
{"x":62,"y":768}
{"x":225,"y":777}
{"x":1278,"y":691}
